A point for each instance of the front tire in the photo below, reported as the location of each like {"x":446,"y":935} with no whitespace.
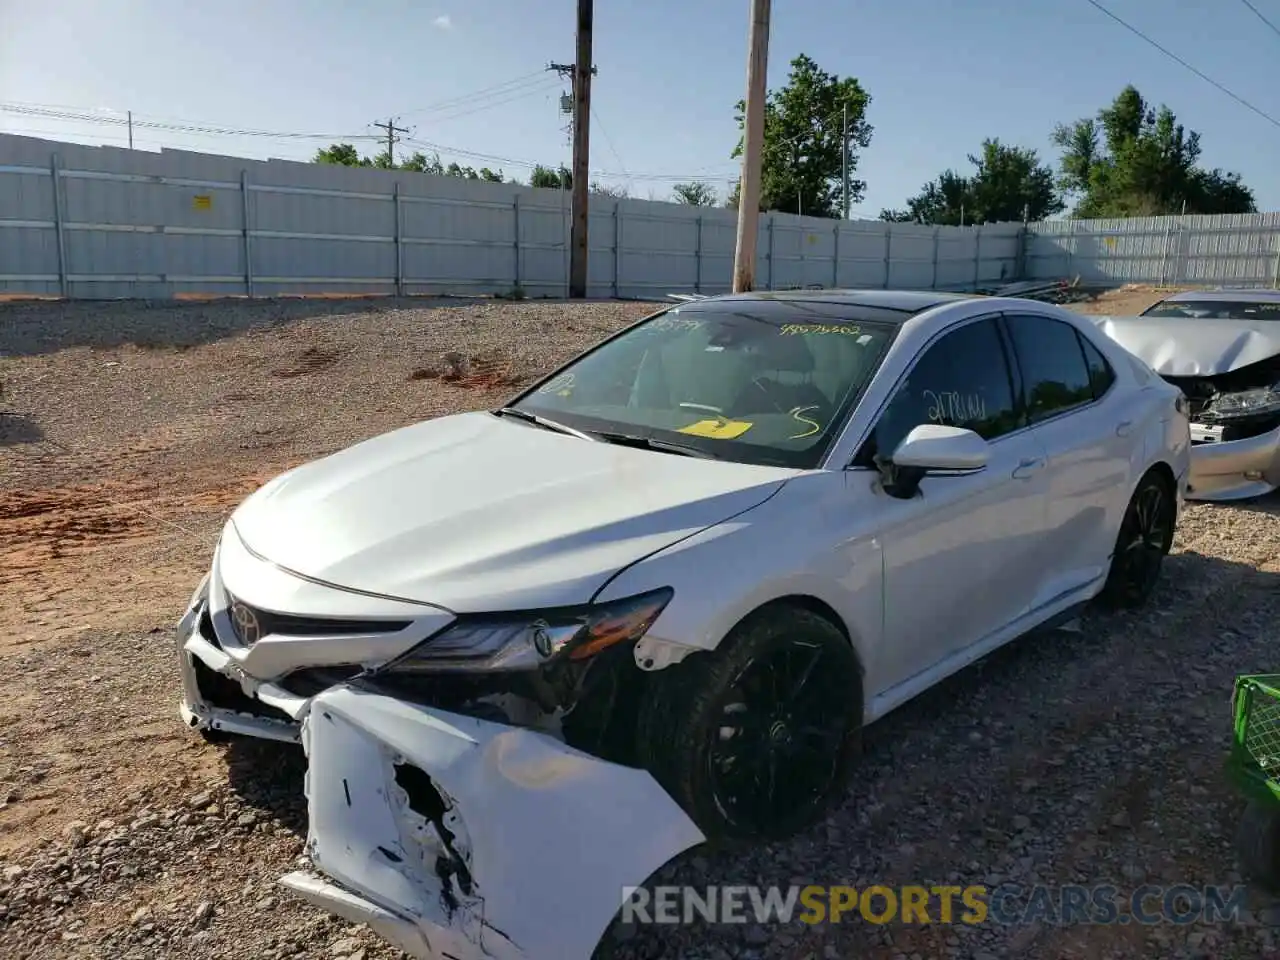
{"x":756,"y":739}
{"x":1144,"y":540}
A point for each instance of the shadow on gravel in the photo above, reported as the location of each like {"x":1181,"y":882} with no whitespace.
{"x":33,"y":328}
{"x":963,"y":753}
{"x":18,"y":428}
{"x":269,"y":776}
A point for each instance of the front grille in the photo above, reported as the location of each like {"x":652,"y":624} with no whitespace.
{"x":226,"y":694}
{"x":313,"y":680}
{"x":269,"y":622}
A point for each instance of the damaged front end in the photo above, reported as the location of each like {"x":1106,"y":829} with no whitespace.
{"x":1235,"y":431}
{"x":458,"y":837}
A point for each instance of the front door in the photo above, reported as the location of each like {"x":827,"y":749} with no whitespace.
{"x":957,"y":556}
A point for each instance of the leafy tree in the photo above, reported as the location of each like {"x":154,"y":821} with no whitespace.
{"x":695,"y":194}
{"x":558,"y":179}
{"x":1008,"y":183}
{"x":604,"y":190}
{"x":1136,"y":160}
{"x":344,"y":154}
{"x":803,"y":141}
{"x":341,"y":154}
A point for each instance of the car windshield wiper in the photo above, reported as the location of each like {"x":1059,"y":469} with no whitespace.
{"x":649,"y":443}
{"x":543,"y":422}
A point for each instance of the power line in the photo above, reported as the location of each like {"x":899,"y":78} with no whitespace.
{"x":85,"y":117}
{"x":1177,"y":59}
{"x":531,"y":92}
{"x":608,"y":140}
{"x":1258,"y":13}
{"x":483,"y":93}
{"x":392,"y":139}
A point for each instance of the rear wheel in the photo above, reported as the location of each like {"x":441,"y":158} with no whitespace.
{"x":756,"y":739}
{"x":1145,"y":538}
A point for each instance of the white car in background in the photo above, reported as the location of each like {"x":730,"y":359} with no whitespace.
{"x":1222,"y":349}
{"x":656,"y":597}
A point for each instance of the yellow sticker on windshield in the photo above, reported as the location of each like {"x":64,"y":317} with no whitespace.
{"x":717,"y":429}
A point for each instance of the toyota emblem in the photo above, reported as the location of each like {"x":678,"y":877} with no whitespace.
{"x":245,"y":622}
{"x":542,"y":639}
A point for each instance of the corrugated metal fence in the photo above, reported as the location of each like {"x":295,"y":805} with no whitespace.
{"x":1238,"y":250}
{"x":102,"y":222}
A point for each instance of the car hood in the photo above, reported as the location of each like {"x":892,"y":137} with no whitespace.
{"x":1187,"y":347}
{"x":474,"y":512}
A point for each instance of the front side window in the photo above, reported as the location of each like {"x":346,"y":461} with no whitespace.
{"x":763,"y":381}
{"x":1216,"y":309}
{"x":1055,"y":376}
{"x":962,"y":380}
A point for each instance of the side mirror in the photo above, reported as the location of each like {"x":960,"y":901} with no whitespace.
{"x":932,"y":449}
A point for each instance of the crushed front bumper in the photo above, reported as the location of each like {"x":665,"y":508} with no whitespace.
{"x":459,"y":838}
{"x":1235,"y":469}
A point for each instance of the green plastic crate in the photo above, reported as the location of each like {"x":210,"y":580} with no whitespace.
{"x":1255,"y":747}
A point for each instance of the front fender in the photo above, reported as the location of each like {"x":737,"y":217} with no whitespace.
{"x":809,"y":540}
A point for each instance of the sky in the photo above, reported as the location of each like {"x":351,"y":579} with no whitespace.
{"x":469,"y":79}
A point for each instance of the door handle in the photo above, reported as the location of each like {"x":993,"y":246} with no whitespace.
{"x":1123,"y":428}
{"x":1028,"y":468}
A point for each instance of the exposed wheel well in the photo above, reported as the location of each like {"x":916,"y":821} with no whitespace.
{"x":811,"y":604}
{"x":1165,"y":473}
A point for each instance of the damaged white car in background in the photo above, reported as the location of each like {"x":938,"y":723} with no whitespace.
{"x":1222,"y":349}
{"x":534,"y":653}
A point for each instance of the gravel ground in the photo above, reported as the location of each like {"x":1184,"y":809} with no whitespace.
{"x":1093,"y":756}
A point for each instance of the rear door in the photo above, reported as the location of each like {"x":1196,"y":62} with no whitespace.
{"x":1089,"y":435}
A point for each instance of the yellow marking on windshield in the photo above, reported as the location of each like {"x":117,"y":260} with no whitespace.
{"x":717,"y":429}
{"x":798,"y":414}
{"x":816,"y":329}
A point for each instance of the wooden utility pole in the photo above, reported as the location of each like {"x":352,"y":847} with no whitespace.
{"x":744,"y":254}
{"x":581,"y":152}
{"x":844,"y":160}
{"x":392,"y":139}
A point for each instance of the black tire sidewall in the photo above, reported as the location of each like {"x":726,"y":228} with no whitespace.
{"x":678,"y":725}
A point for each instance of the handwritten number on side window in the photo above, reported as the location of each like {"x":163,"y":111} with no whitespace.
{"x":953,"y":407}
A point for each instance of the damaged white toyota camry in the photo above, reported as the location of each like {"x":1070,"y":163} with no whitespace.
{"x":654,"y":599}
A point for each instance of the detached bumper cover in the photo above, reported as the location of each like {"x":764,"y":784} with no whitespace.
{"x":460,"y":838}
{"x":1235,"y":469}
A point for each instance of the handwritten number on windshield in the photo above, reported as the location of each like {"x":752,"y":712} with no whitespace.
{"x":798,"y":414}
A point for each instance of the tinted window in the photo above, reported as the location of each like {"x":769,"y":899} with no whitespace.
{"x":961,"y":381}
{"x":754,"y":381}
{"x":1217,"y":309}
{"x":1054,"y":374}
{"x":1101,"y":376}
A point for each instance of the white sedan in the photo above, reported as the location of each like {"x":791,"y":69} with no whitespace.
{"x":668,"y":585}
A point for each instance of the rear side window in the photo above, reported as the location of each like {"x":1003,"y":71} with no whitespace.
{"x":1101,"y":376}
{"x":1054,"y":374}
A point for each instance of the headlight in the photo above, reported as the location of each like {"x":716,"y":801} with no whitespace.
{"x":525,"y":641}
{"x":1246,"y":403}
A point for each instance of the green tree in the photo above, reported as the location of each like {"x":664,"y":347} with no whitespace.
{"x":341,"y":154}
{"x":1007,"y":183}
{"x":695,"y":194}
{"x":613,"y":192}
{"x":1136,"y":160}
{"x":556,"y":179}
{"x":803,"y":141}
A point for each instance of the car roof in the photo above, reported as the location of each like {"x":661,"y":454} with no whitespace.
{"x":1232,"y":295}
{"x":906,"y":303}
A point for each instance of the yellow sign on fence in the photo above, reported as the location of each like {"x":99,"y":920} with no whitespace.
{"x":202,"y":201}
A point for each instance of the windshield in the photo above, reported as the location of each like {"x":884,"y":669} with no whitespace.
{"x":1217,"y":309}
{"x":765,"y":382}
